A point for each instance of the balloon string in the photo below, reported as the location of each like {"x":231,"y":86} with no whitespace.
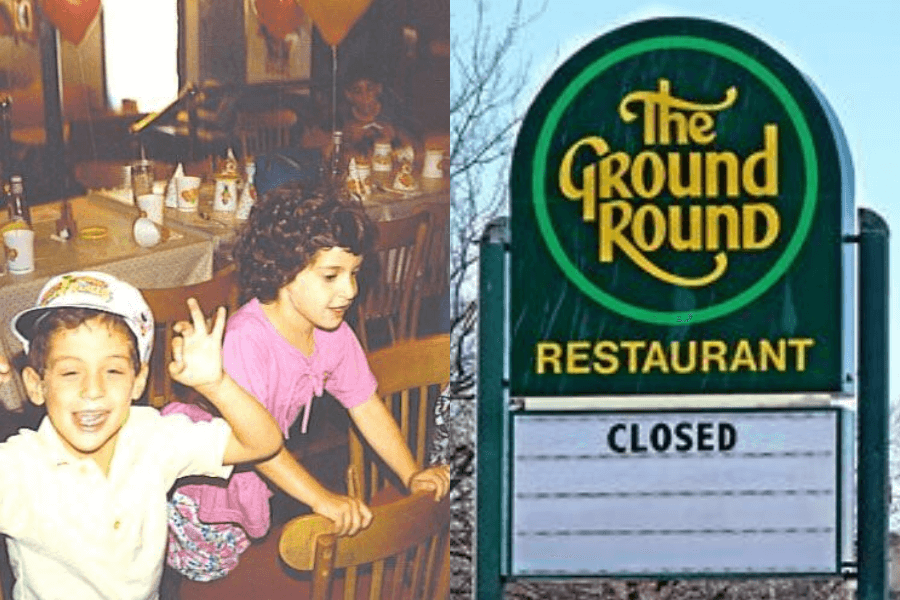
{"x":333,"y":89}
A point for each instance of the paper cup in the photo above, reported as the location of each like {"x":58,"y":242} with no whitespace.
{"x":146,"y":233}
{"x":381,"y":157}
{"x":188,"y":190}
{"x":152,"y":204}
{"x":19,"y":250}
{"x":432,"y":167}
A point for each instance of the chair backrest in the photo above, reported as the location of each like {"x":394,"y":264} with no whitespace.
{"x":411,"y":376}
{"x":406,"y":546}
{"x":262,"y":132}
{"x":436,"y":263}
{"x":400,"y":249}
{"x":169,"y":305}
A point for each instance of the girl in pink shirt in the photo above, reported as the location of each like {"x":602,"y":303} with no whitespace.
{"x":298,"y":261}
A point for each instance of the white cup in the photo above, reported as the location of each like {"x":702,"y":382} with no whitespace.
{"x":19,"y":250}
{"x":152,"y":204}
{"x":188,"y":189}
{"x":381,"y":157}
{"x":431,"y":166}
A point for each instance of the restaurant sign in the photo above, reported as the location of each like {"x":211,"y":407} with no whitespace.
{"x":676,"y":221}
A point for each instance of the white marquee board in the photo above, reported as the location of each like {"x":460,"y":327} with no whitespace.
{"x":620,"y":494}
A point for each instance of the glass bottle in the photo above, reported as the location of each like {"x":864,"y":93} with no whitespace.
{"x":16,"y":205}
{"x":5,"y":137}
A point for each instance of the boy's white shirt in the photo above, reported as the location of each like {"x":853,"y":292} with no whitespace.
{"x":74,"y":533}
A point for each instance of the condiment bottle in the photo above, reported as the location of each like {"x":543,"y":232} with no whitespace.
{"x":16,"y":205}
{"x":66,"y":228}
{"x":5,"y":136}
{"x":337,"y":154}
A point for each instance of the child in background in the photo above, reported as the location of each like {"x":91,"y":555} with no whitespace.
{"x":298,"y":260}
{"x":367,"y":118}
{"x":83,"y":498}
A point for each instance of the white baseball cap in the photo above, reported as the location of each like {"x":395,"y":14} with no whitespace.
{"x":96,"y":290}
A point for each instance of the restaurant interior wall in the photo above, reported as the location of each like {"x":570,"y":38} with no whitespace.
{"x":83,"y":99}
{"x":407,"y":39}
{"x":81,"y":72}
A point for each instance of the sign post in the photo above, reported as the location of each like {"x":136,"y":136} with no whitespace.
{"x":874,"y":407}
{"x":492,"y":411}
{"x":682,"y":368}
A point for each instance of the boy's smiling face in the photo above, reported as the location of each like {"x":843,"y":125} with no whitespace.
{"x":88,"y":385}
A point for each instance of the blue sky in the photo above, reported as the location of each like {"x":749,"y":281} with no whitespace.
{"x":850,"y":50}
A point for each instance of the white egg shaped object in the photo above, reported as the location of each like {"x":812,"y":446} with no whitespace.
{"x":146,"y":233}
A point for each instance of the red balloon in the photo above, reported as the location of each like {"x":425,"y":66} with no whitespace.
{"x":334,"y":18}
{"x":71,"y":17}
{"x":280,"y":17}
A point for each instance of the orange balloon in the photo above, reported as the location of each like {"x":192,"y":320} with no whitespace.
{"x":71,"y":17}
{"x":280,"y":17}
{"x":334,"y":18}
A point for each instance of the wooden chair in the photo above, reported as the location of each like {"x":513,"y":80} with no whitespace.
{"x":392,"y":298}
{"x":261,"y":132}
{"x":265,"y":569}
{"x":399,"y":556}
{"x":435,"y":265}
{"x":411,"y":375}
{"x":169,"y":305}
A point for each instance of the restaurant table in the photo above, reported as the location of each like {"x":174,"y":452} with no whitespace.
{"x":221,"y":227}
{"x":185,"y":258}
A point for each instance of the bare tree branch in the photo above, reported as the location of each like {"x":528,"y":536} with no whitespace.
{"x":486,"y":80}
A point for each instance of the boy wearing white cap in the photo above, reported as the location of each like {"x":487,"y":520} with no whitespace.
{"x":83,"y":498}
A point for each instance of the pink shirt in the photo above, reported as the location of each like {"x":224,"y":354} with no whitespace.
{"x":285,"y":381}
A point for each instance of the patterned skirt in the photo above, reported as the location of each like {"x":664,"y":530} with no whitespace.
{"x":201,"y":551}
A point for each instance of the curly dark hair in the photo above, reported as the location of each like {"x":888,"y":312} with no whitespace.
{"x":72,"y":318}
{"x":285,"y":230}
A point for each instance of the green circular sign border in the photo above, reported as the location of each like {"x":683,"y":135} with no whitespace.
{"x":539,"y":172}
